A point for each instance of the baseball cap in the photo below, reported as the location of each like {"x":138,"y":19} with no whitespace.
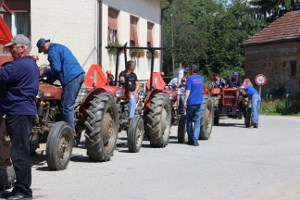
{"x":194,"y":67}
{"x":235,"y":73}
{"x":18,"y":39}
{"x":40,"y":43}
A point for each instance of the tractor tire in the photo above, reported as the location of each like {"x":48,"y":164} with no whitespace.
{"x":158,"y":120}
{"x":136,"y":133}
{"x":102,"y":127}
{"x":59,"y":146}
{"x":248,"y":117}
{"x":181,"y":131}
{"x":79,"y":128}
{"x":7,"y":177}
{"x":207,"y":117}
{"x":216,"y":119}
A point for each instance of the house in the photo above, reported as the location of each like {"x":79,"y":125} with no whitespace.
{"x":275,"y":52}
{"x":87,"y":27}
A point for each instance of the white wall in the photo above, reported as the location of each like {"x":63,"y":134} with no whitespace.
{"x":74,"y":24}
{"x":71,"y":23}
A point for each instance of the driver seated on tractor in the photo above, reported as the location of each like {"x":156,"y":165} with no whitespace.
{"x":217,"y":81}
{"x":128,"y":79}
{"x":234,"y":81}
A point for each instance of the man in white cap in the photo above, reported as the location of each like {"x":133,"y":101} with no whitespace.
{"x":19,"y":81}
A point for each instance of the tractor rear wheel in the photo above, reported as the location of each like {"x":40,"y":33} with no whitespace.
{"x":59,"y":146}
{"x":181,"y":131}
{"x":248,"y":117}
{"x":158,"y":120}
{"x":207,"y":116}
{"x":135,"y":134}
{"x":102,"y":127}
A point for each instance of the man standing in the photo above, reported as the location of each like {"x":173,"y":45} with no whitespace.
{"x":192,"y":102}
{"x":19,"y":82}
{"x":128,"y":79}
{"x":253,"y":95}
{"x":70,"y":74}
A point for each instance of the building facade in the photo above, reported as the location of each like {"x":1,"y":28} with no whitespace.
{"x":275,"y":52}
{"x":88,"y":26}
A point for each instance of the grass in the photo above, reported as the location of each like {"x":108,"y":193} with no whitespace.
{"x":281,"y":106}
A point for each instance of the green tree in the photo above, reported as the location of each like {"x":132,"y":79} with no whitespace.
{"x":208,"y":33}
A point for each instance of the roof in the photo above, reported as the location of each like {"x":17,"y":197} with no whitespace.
{"x":284,"y":28}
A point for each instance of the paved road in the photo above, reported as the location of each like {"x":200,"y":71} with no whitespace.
{"x":235,"y":164}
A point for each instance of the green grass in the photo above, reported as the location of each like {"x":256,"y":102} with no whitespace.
{"x":284,"y":106}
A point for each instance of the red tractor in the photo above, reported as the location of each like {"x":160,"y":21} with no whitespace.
{"x":105,"y":113}
{"x":232,"y":103}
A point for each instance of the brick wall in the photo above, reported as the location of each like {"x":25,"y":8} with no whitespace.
{"x":274,"y":60}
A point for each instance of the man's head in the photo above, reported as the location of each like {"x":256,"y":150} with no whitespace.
{"x":130,"y":65}
{"x":194,"y":69}
{"x":19,"y":46}
{"x":43,"y":45}
{"x":235,"y":74}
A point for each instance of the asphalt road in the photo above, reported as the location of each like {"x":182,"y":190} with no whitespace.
{"x":237,"y":163}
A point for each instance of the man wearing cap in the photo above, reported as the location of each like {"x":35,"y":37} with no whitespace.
{"x":192,"y":102}
{"x":70,"y":73}
{"x":19,"y":82}
{"x":255,"y":99}
{"x":234,"y":81}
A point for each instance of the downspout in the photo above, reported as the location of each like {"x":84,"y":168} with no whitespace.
{"x":162,"y":32}
{"x":99,"y":28}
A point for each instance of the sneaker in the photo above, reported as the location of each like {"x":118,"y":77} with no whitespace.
{"x":255,"y":126}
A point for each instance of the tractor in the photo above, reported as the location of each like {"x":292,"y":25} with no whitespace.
{"x":105,"y":111}
{"x":232,"y":103}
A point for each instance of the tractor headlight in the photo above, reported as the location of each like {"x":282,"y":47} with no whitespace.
{"x":171,"y":96}
{"x":39,"y":94}
{"x":119,"y":93}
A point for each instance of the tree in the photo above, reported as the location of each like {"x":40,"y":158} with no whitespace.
{"x":209,"y":33}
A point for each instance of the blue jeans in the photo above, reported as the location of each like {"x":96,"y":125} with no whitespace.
{"x":193,"y":114}
{"x":131,"y":106}
{"x":19,"y":129}
{"x":255,"y":107}
{"x":68,"y":99}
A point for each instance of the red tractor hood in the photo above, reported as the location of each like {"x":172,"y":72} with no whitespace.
{"x":5,"y":34}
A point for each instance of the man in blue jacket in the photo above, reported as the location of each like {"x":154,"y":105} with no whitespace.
{"x":253,"y":95}
{"x":19,"y":83}
{"x":192,"y":102}
{"x":70,"y":73}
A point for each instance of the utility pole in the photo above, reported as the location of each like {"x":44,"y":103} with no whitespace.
{"x":172,"y":44}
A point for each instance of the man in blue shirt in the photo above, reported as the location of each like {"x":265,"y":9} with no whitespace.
{"x":192,"y":102}
{"x":234,"y":81}
{"x":19,"y":83}
{"x":253,"y":95}
{"x":70,"y":73}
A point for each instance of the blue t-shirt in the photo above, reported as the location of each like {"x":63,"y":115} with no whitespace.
{"x":62,"y":63}
{"x":195,"y":84}
{"x":250,"y":91}
{"x":19,"y":84}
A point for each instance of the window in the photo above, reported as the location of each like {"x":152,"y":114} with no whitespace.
{"x":19,"y":20}
{"x":293,"y":64}
{"x":150,"y":34}
{"x":113,"y":25}
{"x":134,"y":42}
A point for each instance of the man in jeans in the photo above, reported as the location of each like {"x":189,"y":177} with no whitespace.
{"x":128,"y":79}
{"x":192,"y":102}
{"x":19,"y":83}
{"x":253,"y":95}
{"x":70,"y":74}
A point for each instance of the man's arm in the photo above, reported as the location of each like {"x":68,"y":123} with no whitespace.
{"x":137,"y":87}
{"x":187,"y":94}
